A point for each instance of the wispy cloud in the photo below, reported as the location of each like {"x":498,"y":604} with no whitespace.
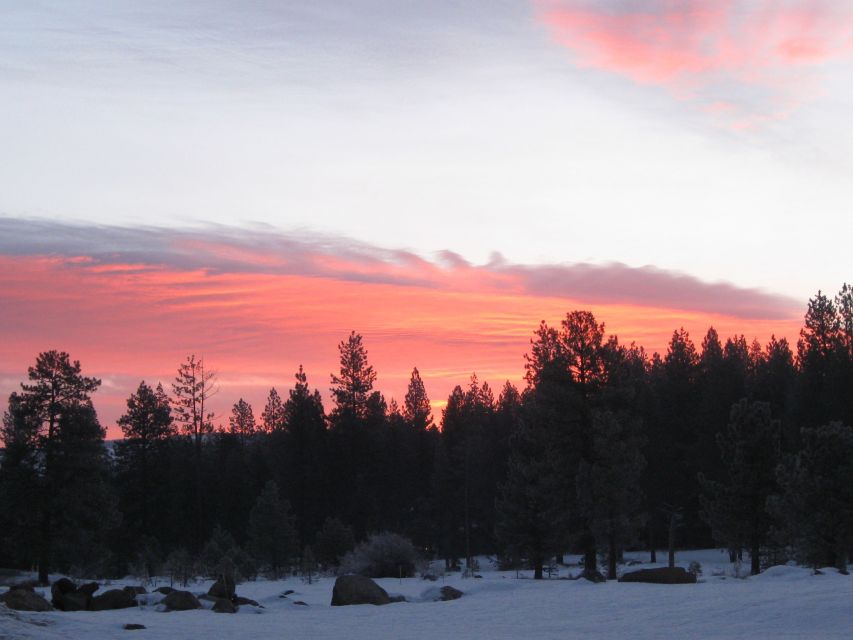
{"x":227,"y":250}
{"x":743,"y":61}
{"x":130,"y":303}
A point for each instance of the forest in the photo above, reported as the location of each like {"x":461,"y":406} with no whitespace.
{"x":718,"y":442}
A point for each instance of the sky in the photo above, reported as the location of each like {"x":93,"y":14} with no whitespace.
{"x":252,"y":181}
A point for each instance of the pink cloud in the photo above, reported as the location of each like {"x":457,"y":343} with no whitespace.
{"x":258,"y":304}
{"x":760,"y":57}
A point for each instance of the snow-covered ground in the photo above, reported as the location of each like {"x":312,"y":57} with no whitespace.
{"x":784,"y":602}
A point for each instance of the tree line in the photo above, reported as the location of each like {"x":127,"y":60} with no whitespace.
{"x":731,"y":443}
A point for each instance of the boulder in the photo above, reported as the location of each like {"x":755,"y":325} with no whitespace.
{"x":114,"y":599}
{"x":224,"y":605}
{"x":66,"y":597}
{"x":89,"y":588}
{"x":397,"y":598}
{"x":450,"y":593}
{"x":164,"y":590}
{"x":224,"y":587}
{"x":353,"y":589}
{"x":300,"y":603}
{"x":135,"y":591}
{"x":59,"y":589}
{"x":181,"y":601}
{"x":25,"y":600}
{"x":132,"y":626}
{"x":26,"y":586}
{"x":662,"y":575}
{"x":74,"y":601}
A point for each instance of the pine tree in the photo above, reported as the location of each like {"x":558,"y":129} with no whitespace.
{"x":530,"y":513}
{"x":304,"y":446}
{"x":55,"y":446}
{"x":141,"y":459}
{"x":351,"y":389}
{"x":609,"y":494}
{"x":192,"y":389}
{"x":334,"y":541}
{"x":272,"y":536}
{"x":816,"y":501}
{"x":416,"y":408}
{"x":735,"y":507}
{"x":273,"y":415}
{"x":242,"y":421}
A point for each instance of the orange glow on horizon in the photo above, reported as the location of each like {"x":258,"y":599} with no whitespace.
{"x":131,"y":322}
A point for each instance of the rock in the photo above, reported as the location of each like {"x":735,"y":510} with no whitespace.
{"x":223,"y":588}
{"x":181,"y":601}
{"x":135,"y":591}
{"x":59,"y":589}
{"x":24,"y":586}
{"x":288,"y":592}
{"x":25,"y":600}
{"x":89,"y":588}
{"x":224,"y":605}
{"x":164,"y":590}
{"x":75,"y":601}
{"x":396,"y":598}
{"x":662,"y":575}
{"x":301,"y":604}
{"x":450,"y":593}
{"x":132,"y":626}
{"x":114,"y":599}
{"x":430,"y":577}
{"x":240,"y":601}
{"x":353,"y":589}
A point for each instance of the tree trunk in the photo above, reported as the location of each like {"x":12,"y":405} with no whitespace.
{"x":672,"y":525}
{"x":590,"y":560}
{"x":653,"y":554}
{"x":537,"y":568}
{"x":558,"y":559}
{"x":755,"y":557}
{"x":612,"y":556}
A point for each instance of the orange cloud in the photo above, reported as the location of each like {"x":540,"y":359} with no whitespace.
{"x":128,"y":319}
{"x":759,"y":57}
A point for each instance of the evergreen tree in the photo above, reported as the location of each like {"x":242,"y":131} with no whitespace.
{"x":272,"y":536}
{"x":304,"y":452}
{"x":55,"y":449}
{"x":816,"y":502}
{"x":242,"y":420}
{"x":529,"y":510}
{"x":416,"y":408}
{"x":334,"y":540}
{"x":735,"y":507}
{"x":273,"y":415}
{"x":141,"y":460}
{"x":352,"y":388}
{"x":192,"y":389}
{"x":608,"y":486}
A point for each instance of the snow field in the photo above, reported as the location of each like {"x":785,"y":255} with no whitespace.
{"x":785,"y":602}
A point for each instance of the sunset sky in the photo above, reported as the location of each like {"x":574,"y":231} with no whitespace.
{"x":251,"y":181}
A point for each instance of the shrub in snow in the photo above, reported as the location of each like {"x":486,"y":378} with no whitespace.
{"x":180,"y":567}
{"x":382,"y":555}
{"x":695,"y":568}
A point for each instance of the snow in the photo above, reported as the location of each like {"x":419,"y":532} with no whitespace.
{"x":784,"y":602}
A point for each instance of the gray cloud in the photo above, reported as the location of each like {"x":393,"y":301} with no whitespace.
{"x":265,"y":250}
